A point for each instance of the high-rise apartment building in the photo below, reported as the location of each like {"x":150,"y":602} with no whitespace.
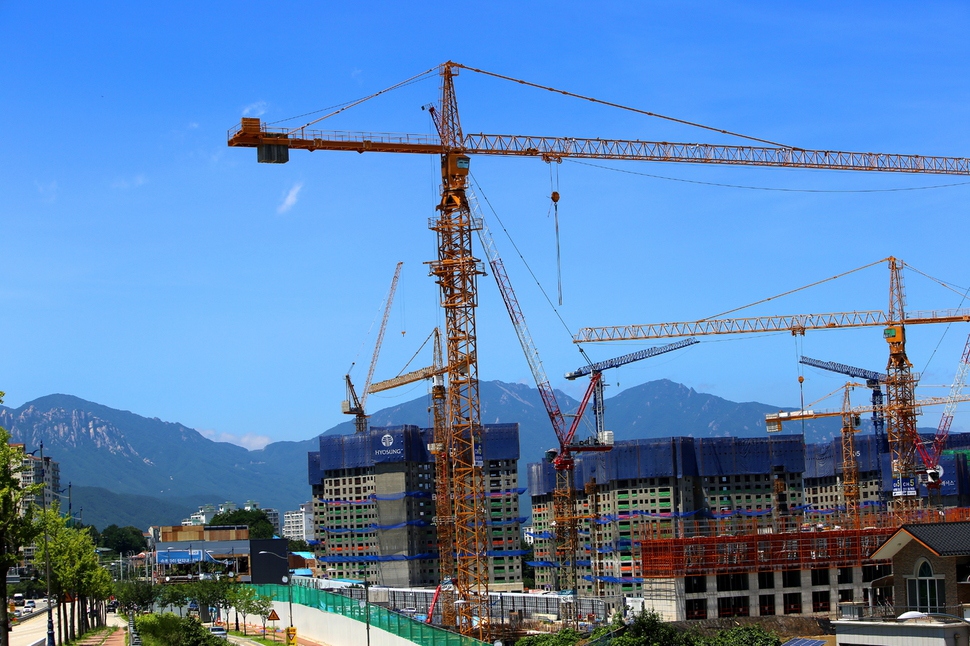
{"x":374,"y":506}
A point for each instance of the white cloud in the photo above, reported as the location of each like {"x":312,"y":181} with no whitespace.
{"x":256,"y":109}
{"x":249,"y":441}
{"x":290,"y":200}
{"x":129,"y":182}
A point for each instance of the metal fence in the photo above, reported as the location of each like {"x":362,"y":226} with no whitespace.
{"x":346,"y":606}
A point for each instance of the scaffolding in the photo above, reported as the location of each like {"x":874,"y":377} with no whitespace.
{"x":749,"y":545}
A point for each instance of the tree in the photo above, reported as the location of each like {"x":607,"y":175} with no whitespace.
{"x":649,"y":629}
{"x":745,"y":636}
{"x":17,"y":526}
{"x":255,"y":519}
{"x":297,"y":545}
{"x":173,"y":595}
{"x":243,"y":599}
{"x":564,"y":637}
{"x":123,"y":539}
{"x":262,"y":605}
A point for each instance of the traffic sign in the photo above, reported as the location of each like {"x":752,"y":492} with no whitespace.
{"x":273,"y":616}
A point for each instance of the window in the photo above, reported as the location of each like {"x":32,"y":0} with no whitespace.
{"x":925,"y":592}
{"x":845,"y":575}
{"x":846,"y":595}
{"x":766,"y":581}
{"x":820,"y":601}
{"x":695,"y":584}
{"x":793,"y":603}
{"x":696,"y":608}
{"x":791,"y":579}
{"x":873,"y":572}
{"x":732,"y":607}
{"x":820,"y":577}
{"x":766,"y":605}
{"x":731,"y":582}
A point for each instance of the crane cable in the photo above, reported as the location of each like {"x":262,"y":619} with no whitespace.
{"x":346,"y":106}
{"x":554,"y":206}
{"x":627,"y":108}
{"x":797,"y":289}
{"x":545,"y":295}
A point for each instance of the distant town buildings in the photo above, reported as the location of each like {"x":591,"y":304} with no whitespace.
{"x":298,"y":524}
{"x":207,"y":512}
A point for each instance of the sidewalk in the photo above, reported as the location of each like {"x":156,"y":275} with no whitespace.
{"x":256,"y":630}
{"x":114,"y":638}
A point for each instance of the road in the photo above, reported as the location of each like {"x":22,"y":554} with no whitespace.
{"x":32,"y":630}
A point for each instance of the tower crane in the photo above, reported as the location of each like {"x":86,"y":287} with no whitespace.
{"x":354,"y":405}
{"x":874,"y":381}
{"x":456,"y":269}
{"x":850,"y":426}
{"x":599,"y":405}
{"x":902,"y":488}
{"x":901,"y":409}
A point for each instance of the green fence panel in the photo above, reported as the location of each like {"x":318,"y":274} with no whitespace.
{"x":403,"y":626}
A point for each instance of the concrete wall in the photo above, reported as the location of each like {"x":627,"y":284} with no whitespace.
{"x":332,"y":629}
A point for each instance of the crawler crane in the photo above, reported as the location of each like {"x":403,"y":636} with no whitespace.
{"x":456,"y":270}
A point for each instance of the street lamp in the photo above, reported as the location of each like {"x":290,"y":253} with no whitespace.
{"x":286,"y":580}
{"x":366,"y":604}
{"x":47,"y":556}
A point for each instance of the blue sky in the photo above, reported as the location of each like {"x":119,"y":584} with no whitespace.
{"x":148,"y":267}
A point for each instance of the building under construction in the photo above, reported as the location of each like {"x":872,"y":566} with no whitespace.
{"x":374,"y":507}
{"x":720,"y":527}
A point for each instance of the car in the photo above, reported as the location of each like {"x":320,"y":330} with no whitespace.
{"x":219,"y":631}
{"x":30,"y":604}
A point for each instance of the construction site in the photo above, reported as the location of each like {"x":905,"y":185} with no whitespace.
{"x":694,"y":528}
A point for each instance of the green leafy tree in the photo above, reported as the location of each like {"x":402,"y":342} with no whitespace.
{"x":745,"y":636}
{"x":565,"y":637}
{"x":528,"y":572}
{"x":261,"y":607}
{"x":17,"y":526}
{"x":255,"y":519}
{"x":296,"y":545}
{"x":123,"y":539}
{"x":174,"y":595}
{"x":176,"y":631}
{"x":244,"y":600}
{"x":649,"y":629}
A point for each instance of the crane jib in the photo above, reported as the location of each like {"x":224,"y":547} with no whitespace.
{"x":250,"y":134}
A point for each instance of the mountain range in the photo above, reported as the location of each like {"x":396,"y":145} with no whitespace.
{"x":127,"y":469}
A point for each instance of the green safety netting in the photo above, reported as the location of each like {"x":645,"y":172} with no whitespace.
{"x":397,"y":624}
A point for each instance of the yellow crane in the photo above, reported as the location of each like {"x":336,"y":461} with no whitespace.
{"x":901,"y":407}
{"x":850,"y":424}
{"x":354,"y":405}
{"x":456,"y":269}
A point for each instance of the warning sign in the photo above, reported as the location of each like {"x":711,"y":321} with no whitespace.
{"x":273,"y":616}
